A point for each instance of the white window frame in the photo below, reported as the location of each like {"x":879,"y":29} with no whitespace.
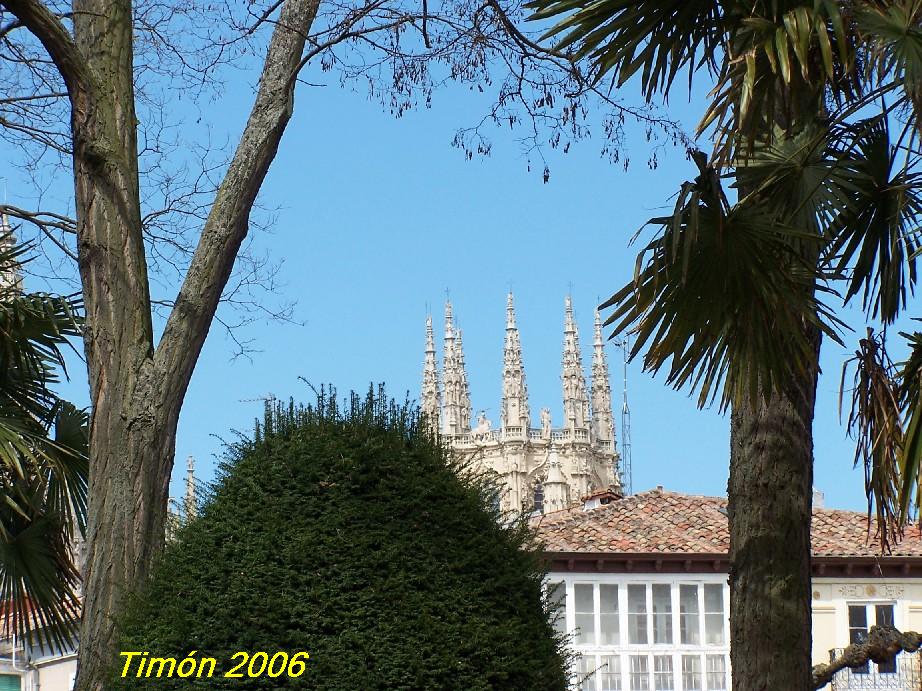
{"x":625,"y":649}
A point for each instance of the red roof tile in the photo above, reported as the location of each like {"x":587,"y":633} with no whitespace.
{"x":662,"y":522}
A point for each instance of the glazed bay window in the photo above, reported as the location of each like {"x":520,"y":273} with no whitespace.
{"x":662,"y":613}
{"x":714,"y":616}
{"x":689,"y":615}
{"x":691,"y":673}
{"x":663,"y":677}
{"x":665,"y":634}
{"x":557,"y":605}
{"x":584,"y":606}
{"x":640,"y":673}
{"x":717,"y":672}
{"x":610,"y":673}
{"x":609,"y":624}
{"x":637,"y":613}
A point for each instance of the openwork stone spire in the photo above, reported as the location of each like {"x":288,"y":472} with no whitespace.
{"x":457,"y":408}
{"x":190,"y":505}
{"x":603,"y":426}
{"x":11,"y":278}
{"x":515,"y":412}
{"x":431,"y":396}
{"x":575,"y":398}
{"x":465,"y":394}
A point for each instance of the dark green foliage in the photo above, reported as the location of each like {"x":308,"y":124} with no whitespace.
{"x":346,"y":533}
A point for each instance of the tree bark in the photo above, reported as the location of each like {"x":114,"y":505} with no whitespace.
{"x":137,"y":391}
{"x":770,"y":502}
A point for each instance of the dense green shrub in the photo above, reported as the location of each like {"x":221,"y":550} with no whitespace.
{"x":344,"y":530}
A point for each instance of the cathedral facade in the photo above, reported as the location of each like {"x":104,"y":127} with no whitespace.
{"x":540,"y":469}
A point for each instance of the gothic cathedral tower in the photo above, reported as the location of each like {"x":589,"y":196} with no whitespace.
{"x":540,"y":469}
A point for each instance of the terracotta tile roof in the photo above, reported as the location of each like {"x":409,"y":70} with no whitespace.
{"x":662,"y":522}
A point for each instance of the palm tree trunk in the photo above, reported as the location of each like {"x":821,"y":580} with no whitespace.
{"x":770,"y":499}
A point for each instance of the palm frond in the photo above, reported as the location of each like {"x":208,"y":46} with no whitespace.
{"x":875,"y":422}
{"x":38,"y":580}
{"x":781,"y":59}
{"x":892,"y":33}
{"x":721,"y":295}
{"x":875,"y":237}
{"x":650,"y":38}
{"x":910,"y":378}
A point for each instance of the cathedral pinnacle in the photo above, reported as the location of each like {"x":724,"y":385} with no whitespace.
{"x":602,"y":421}
{"x":190,"y":505}
{"x":515,"y":412}
{"x":575,"y":399}
{"x":457,"y":408}
{"x":10,"y":278}
{"x":431,"y":403}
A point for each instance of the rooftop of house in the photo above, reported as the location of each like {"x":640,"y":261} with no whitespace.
{"x":670,"y":523}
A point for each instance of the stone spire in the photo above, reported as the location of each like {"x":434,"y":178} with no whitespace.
{"x":10,"y":278}
{"x":190,"y":507}
{"x":515,"y":412}
{"x":465,"y":392}
{"x":603,"y":426}
{"x":457,"y":408}
{"x":575,"y":399}
{"x":430,"y":397}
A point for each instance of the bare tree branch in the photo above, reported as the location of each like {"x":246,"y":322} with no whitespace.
{"x":227,"y":223}
{"x":57,"y":40}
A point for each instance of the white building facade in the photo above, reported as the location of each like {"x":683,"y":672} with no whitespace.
{"x":540,"y":469}
{"x":641,"y":588}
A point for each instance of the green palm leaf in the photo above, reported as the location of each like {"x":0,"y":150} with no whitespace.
{"x":875,"y":237}
{"x":892,"y":32}
{"x":721,"y":295}
{"x":43,"y":463}
{"x":653,"y":39}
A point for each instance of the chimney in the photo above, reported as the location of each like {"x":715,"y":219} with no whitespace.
{"x":819,"y":499}
{"x":601,"y":497}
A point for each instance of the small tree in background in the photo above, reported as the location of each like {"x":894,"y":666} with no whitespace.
{"x":347,"y":532}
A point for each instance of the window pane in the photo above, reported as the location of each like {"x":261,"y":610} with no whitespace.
{"x":608,"y":597}
{"x":717,"y":672}
{"x":640,"y":671}
{"x":637,"y":613}
{"x":557,"y":600}
{"x":691,"y":672}
{"x":584,"y":607}
{"x":610,"y":674}
{"x":663,"y":679}
{"x":858,"y":631}
{"x":884,"y":615}
{"x":585,"y":673}
{"x":857,"y":617}
{"x":689,"y":620}
{"x":714,"y":614}
{"x":662,"y":613}
{"x":538,"y":499}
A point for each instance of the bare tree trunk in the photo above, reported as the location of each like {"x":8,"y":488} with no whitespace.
{"x":770,"y":499}
{"x":133,"y":426}
{"x":137,"y":390}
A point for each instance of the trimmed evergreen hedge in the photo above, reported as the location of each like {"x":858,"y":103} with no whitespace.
{"x":345,"y":531}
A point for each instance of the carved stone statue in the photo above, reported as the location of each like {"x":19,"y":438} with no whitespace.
{"x":546,"y":423}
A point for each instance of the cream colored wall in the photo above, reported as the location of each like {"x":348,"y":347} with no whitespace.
{"x":56,"y":676}
{"x":831,"y":598}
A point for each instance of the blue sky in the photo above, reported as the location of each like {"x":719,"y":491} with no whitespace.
{"x":380,"y":216}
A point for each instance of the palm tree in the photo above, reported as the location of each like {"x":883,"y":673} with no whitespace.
{"x":43,"y":463}
{"x":815,"y":118}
